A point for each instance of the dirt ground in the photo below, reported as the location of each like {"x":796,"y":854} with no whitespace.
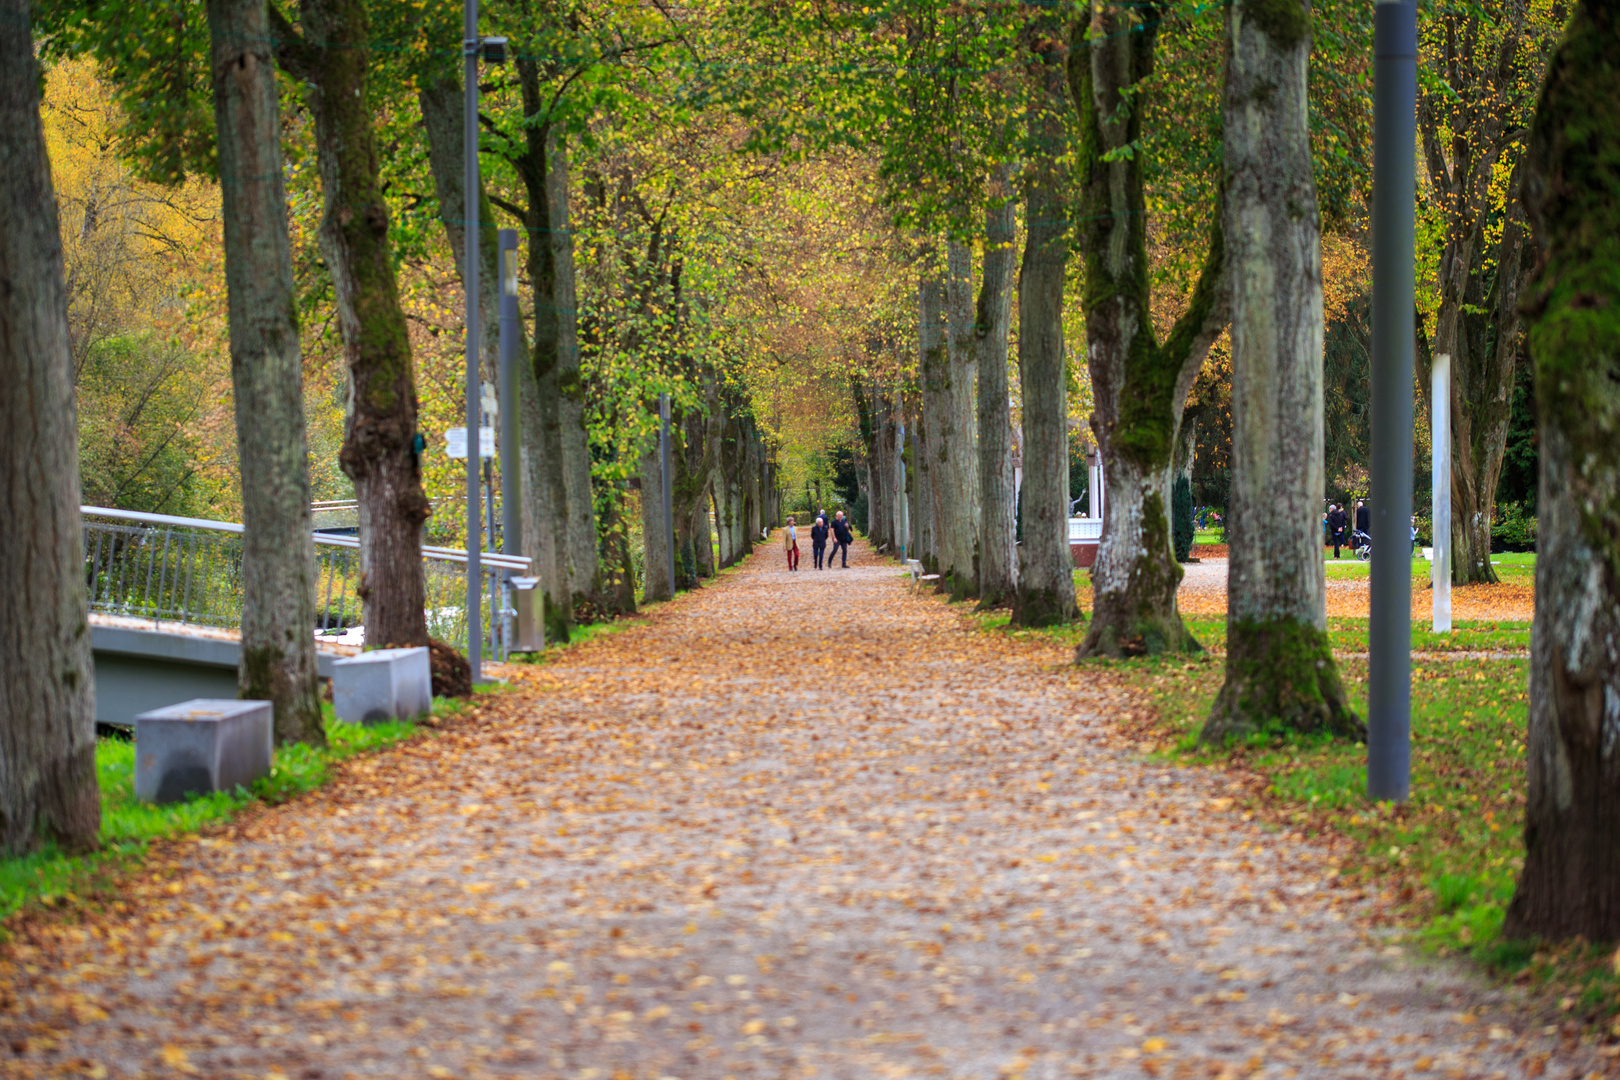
{"x":798,"y":825}
{"x":1203,"y":592}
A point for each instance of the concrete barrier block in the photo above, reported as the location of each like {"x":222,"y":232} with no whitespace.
{"x":382,"y":685}
{"x":201,"y":746}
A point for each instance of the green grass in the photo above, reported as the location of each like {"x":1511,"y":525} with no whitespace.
{"x":49,"y":876}
{"x":1350,"y":635}
{"x":1510,"y":566}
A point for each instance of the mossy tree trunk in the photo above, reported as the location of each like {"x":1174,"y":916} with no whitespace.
{"x":332,"y":57}
{"x":997,"y":582}
{"x":1045,"y":592}
{"x":47,"y":691}
{"x":1570,"y":884}
{"x":1279,"y":667}
{"x":1139,"y":386}
{"x":278,"y":545}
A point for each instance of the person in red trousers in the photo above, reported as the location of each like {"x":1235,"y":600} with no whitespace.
{"x":790,"y":542}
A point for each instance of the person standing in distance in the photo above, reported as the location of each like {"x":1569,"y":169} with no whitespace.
{"x":841,"y":538}
{"x":1363,"y":517}
{"x":790,"y":543}
{"x":818,"y":541}
{"x":1338,"y":525}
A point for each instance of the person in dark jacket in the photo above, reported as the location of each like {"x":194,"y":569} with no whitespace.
{"x":1338,"y":524}
{"x":841,"y":538}
{"x":1363,"y":517}
{"x":818,"y":542}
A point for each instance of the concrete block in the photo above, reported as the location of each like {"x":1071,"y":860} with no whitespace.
{"x":201,"y":746}
{"x":382,"y":685}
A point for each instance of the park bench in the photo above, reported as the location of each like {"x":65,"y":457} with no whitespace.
{"x":915,"y":568}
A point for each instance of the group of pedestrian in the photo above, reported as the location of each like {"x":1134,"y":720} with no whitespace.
{"x":1337,"y":525}
{"x":837,"y":529}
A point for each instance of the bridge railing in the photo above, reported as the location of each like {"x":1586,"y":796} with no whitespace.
{"x":188,"y":570}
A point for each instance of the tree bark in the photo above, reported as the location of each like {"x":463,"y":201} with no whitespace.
{"x":379,"y":454}
{"x":997,"y":583}
{"x":547,"y":361}
{"x":933,"y":422}
{"x":954,"y":451}
{"x":47,"y":690}
{"x":656,"y":545}
{"x":1139,"y":386}
{"x":584,"y":575}
{"x":1279,"y":665}
{"x":1045,"y":595}
{"x":278,"y":544}
{"x":1570,"y":884}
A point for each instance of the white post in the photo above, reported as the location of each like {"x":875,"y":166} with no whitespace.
{"x":1093,"y":488}
{"x":1440,"y":463}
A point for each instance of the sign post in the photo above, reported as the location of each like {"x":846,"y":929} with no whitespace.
{"x":1440,"y":493}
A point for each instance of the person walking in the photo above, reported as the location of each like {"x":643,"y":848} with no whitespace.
{"x":790,"y":542}
{"x":841,"y":538}
{"x":1338,"y":523}
{"x":818,"y":541}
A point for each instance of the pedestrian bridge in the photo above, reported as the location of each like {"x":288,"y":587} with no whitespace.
{"x":166,"y":605}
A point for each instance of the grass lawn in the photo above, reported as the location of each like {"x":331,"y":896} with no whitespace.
{"x":50,"y":876}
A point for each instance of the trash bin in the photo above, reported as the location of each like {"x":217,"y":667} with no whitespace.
{"x":530,"y":635}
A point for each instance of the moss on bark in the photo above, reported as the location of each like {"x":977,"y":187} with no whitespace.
{"x":1280,"y":674}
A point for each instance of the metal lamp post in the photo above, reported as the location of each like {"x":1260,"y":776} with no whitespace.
{"x":1389,"y":663}
{"x":494,"y":50}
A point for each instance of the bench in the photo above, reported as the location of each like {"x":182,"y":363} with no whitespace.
{"x":915,"y":569}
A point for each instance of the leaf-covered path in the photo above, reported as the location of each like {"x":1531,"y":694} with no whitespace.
{"x":800,"y":825}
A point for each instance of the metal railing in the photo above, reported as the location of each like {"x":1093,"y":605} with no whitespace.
{"x":188,"y":570}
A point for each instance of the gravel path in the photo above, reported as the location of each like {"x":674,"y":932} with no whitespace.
{"x":798,"y":826}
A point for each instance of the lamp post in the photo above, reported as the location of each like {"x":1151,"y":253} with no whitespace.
{"x":494,"y":50}
{"x":1389,"y":662}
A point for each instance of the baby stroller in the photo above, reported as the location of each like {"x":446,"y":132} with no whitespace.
{"x":1362,"y":544}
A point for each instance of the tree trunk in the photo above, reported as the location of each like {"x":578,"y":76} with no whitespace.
{"x":1045,"y":595}
{"x":996,"y":583}
{"x":954,"y":449}
{"x":278,"y":545}
{"x":1139,"y":386}
{"x":379,"y":452}
{"x":547,"y":362}
{"x":1279,"y":665}
{"x":656,"y":545}
{"x":921,"y":503}
{"x":933,"y":420}
{"x":584,"y":576}
{"x":1570,"y":884}
{"x":47,"y":689}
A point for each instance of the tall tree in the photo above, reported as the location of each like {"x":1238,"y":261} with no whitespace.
{"x":955,"y":462}
{"x":933,"y":403}
{"x":1570,"y":884}
{"x":1139,"y":385}
{"x":47,"y":693}
{"x":997,"y":581}
{"x":1279,"y":666}
{"x":1485,"y":60}
{"x":278,"y":549}
{"x":331,"y":57}
{"x":1045,"y":595}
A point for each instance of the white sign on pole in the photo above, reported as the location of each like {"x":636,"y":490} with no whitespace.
{"x":455,"y":442}
{"x":1440,"y":501}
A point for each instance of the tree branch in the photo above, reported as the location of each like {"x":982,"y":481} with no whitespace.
{"x":292,"y":52}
